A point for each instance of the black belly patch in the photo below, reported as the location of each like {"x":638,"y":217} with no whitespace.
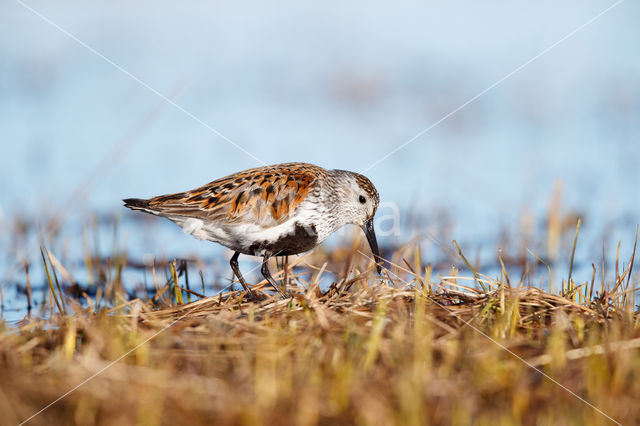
{"x":303,"y":238}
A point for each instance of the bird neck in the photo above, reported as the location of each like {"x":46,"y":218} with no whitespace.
{"x":330,"y":212}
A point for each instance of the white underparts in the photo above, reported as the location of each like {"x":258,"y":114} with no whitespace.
{"x":240,"y":236}
{"x":193,"y":226}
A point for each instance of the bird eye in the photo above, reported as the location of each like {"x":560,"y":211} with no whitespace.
{"x":362,"y":199}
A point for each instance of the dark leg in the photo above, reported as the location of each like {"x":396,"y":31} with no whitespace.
{"x":285,"y":278}
{"x":236,"y":271}
{"x":267,"y":275}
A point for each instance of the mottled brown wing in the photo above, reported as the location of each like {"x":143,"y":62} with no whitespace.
{"x":266,"y":195}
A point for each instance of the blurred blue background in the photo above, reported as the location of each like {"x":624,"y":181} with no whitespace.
{"x":339,"y":85}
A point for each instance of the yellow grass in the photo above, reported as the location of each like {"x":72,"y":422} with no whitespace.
{"x":405,"y":348}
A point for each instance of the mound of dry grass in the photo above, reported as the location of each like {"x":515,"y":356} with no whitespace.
{"x":401,"y":349}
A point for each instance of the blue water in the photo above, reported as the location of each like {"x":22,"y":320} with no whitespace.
{"x":339,"y":85}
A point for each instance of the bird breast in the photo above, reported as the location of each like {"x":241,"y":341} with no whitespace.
{"x":301,"y":232}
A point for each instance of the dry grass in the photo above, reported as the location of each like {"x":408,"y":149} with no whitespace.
{"x":406,"y":348}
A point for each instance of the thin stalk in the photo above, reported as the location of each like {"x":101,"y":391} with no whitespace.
{"x":53,"y":291}
{"x":26,"y":271}
{"x":593,"y":279}
{"x":573,"y":250}
{"x":202,"y":281}
{"x":633,"y":256}
{"x":55,"y":277}
{"x":504,"y":270}
{"x":475,"y":274}
{"x":603,"y":266}
{"x":183,"y":267}
{"x":545,"y":264}
{"x":176,"y":287}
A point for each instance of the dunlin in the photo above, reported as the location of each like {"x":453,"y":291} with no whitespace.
{"x":278,"y":210}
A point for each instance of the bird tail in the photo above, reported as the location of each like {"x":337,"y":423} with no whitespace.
{"x":138,"y":204}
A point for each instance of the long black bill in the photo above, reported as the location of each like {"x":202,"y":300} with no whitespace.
{"x":373,"y":243}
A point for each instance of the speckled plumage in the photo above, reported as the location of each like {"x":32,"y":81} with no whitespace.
{"x":282,"y":209}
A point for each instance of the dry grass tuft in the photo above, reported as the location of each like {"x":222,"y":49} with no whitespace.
{"x":402,"y":349}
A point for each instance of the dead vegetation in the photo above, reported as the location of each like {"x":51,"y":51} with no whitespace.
{"x":404,"y":348}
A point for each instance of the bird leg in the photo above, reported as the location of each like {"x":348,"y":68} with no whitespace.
{"x":267,"y":275}
{"x":236,"y":271}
